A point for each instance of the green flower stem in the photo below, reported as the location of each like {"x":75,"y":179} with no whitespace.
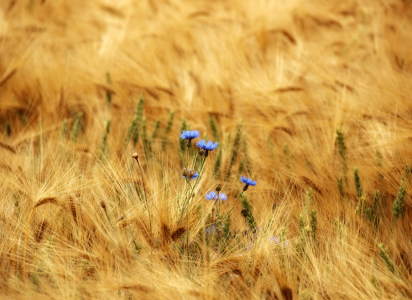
{"x":232,"y":207}
{"x":218,"y":207}
{"x":189,"y":198}
{"x":187,"y":157}
{"x":186,"y":198}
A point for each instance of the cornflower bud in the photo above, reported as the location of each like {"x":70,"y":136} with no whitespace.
{"x":200,"y":151}
{"x":247,"y":182}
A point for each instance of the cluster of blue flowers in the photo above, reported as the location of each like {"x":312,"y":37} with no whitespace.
{"x":194,"y":134}
{"x":189,"y":135}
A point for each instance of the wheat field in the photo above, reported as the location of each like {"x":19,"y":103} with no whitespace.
{"x":310,"y":99}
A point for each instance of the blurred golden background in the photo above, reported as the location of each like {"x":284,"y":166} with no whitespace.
{"x":290,"y":72}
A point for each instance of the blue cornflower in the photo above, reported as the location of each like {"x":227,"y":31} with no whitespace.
{"x":222,"y":196}
{"x":247,"y":182}
{"x":213,"y":196}
{"x":189,"y":136}
{"x":209,"y":146}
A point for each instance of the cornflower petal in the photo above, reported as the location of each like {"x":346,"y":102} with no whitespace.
{"x":222,"y":196}
{"x":211,"y":196}
{"x":247,"y":181}
{"x":209,"y":146}
{"x":190,"y":134}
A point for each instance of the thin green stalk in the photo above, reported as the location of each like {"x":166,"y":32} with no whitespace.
{"x":188,"y":181}
{"x":218,"y":207}
{"x":232,"y":207}
{"x":184,"y":205}
{"x":200,"y":172}
{"x":187,"y":157}
{"x":190,"y":197}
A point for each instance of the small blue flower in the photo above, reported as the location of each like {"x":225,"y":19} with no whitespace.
{"x":247,"y":181}
{"x":194,"y":176}
{"x":222,"y":196}
{"x":208,"y":147}
{"x":190,"y":135}
{"x":213,"y":196}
